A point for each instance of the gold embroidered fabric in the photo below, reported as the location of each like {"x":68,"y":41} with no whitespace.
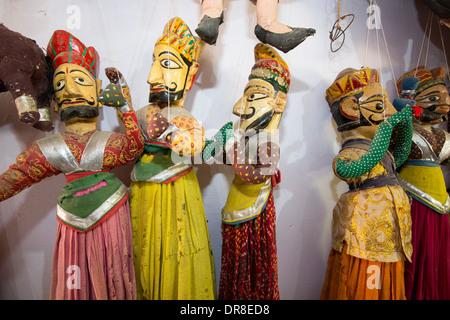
{"x":376,"y":222}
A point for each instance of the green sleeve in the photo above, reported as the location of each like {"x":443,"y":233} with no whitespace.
{"x":219,"y":141}
{"x":355,"y":168}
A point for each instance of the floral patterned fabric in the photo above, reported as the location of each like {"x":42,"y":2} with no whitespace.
{"x":376,"y":222}
{"x":31,"y":166}
{"x":249,"y":258}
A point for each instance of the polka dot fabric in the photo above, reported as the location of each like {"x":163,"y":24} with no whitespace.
{"x":380,"y":143}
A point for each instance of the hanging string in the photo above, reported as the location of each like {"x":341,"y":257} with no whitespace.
{"x":423,"y":41}
{"x":168,"y":49}
{"x":389,"y":56}
{"x":168,"y":70}
{"x":367,"y":39}
{"x":443,"y":49}
{"x":429,"y":39}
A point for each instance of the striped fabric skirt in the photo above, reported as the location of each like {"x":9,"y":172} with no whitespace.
{"x":96,"y":264}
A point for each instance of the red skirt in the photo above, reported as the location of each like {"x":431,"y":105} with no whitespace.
{"x":427,"y":277}
{"x":96,"y":264}
{"x":249,"y":268}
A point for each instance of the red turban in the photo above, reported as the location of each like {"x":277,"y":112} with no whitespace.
{"x":63,"y":47}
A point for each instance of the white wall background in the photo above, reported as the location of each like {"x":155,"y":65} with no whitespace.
{"x":124,"y":33}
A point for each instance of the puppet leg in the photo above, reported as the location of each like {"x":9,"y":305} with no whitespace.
{"x":277,"y":34}
{"x":210,"y":19}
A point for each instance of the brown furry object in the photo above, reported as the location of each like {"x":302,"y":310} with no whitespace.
{"x":27,"y":74}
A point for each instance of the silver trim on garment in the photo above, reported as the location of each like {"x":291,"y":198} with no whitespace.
{"x":58,"y":154}
{"x":250,"y":212}
{"x":424,"y":197}
{"x":94,"y":216}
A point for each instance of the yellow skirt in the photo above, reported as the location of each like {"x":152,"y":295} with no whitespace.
{"x":172,"y":250}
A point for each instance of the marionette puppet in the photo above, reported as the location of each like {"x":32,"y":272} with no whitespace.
{"x":249,"y":268}
{"x":268,"y":30}
{"x":371,"y":226}
{"x":427,"y":276}
{"x":26,"y":73}
{"x":93,"y":209}
{"x":173,"y":254}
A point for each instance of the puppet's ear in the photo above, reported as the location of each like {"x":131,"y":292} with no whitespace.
{"x":349,"y":108}
{"x":280,"y":102}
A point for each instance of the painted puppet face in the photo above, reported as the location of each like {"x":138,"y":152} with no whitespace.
{"x":170,"y":75}
{"x":258,"y":105}
{"x":434,"y":99}
{"x":371,"y":107}
{"x":76,"y":92}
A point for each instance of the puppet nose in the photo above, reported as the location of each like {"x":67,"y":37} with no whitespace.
{"x":71,"y":87}
{"x":155,"y":75}
{"x":239,"y":107}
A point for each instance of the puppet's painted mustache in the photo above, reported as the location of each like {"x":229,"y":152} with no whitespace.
{"x":248,"y":115}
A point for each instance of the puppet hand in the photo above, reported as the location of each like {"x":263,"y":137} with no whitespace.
{"x":117,"y":78}
{"x":114,"y":75}
{"x":112,"y":96}
{"x":400,"y":116}
{"x":157,"y":124}
{"x":225,"y":133}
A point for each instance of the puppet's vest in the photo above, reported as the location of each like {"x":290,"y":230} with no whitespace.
{"x":423,"y":179}
{"x":158,"y":164}
{"x":245,"y":201}
{"x":91,"y":195}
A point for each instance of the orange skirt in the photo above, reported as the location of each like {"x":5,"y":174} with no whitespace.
{"x":352,"y":278}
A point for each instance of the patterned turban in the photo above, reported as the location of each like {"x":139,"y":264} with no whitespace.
{"x":271,"y":67}
{"x":178,"y":35}
{"x":427,"y":78}
{"x":63,"y":47}
{"x":349,"y":82}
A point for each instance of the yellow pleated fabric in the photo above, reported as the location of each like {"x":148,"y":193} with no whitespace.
{"x":428,"y":179}
{"x":172,"y":250}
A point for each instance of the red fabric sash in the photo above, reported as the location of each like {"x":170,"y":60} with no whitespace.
{"x":77,"y":175}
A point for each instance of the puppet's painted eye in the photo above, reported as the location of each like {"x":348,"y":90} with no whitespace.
{"x":59,"y":85}
{"x":170,"y":64}
{"x":256,"y":96}
{"x":81,"y":81}
{"x":429,"y":99}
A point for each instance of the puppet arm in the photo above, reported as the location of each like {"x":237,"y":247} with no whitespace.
{"x":183,"y":134}
{"x":30,"y":168}
{"x":132,"y":144}
{"x":355,"y":168}
{"x":216,"y":145}
{"x":257,"y":170}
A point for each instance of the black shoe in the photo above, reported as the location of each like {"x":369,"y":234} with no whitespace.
{"x":208,"y":28}
{"x":283,"y":41}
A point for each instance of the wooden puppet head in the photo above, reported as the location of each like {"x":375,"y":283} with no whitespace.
{"x":175,"y":64}
{"x":358,"y":102}
{"x":429,"y":92}
{"x":265,"y":95}
{"x":75,"y":80}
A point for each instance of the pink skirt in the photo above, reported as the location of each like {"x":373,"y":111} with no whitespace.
{"x":97,"y":264}
{"x":427,"y":277}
